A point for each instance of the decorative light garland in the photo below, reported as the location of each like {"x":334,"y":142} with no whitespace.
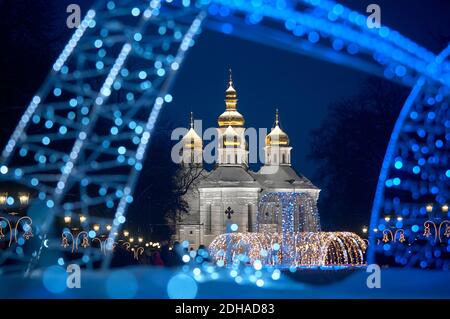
{"x":291,"y":210}
{"x":74,"y":241}
{"x":295,"y":249}
{"x":13,"y":231}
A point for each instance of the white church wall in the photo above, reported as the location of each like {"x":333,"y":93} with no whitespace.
{"x":219,"y":199}
{"x":192,"y":234}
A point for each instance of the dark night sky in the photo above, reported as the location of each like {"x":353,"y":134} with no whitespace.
{"x":33,"y":33}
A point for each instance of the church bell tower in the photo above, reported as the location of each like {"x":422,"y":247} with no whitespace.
{"x":277,"y":149}
{"x":192,"y":146}
{"x":232,"y":145}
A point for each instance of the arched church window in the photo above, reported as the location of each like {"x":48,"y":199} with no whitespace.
{"x":275,"y":158}
{"x":235,"y":158}
{"x":283,"y":160}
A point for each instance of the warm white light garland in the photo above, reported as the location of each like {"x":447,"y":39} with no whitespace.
{"x":296,"y":249}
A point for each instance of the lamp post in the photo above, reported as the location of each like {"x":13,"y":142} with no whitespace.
{"x":3,"y":197}
{"x":24,"y":198}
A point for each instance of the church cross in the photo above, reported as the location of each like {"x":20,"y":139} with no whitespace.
{"x":229,"y":212}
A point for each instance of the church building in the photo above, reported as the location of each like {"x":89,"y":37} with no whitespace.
{"x":228,"y":197}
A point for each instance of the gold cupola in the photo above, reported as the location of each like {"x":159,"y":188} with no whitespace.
{"x":231,"y":117}
{"x":191,"y":140}
{"x":277,"y":137}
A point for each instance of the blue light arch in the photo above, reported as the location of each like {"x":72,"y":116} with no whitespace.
{"x":82,"y":140}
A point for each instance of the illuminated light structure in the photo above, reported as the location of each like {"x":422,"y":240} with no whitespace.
{"x":305,"y":249}
{"x":288,"y":212}
{"x":288,"y":234}
{"x":86,"y":130}
{"x":414,"y":179}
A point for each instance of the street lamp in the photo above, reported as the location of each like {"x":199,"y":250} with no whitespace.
{"x":364,"y":229}
{"x":444,"y":208}
{"x":108,"y":227}
{"x":3,"y":197}
{"x":387,"y":218}
{"x":399,"y":218}
{"x":67,"y":219}
{"x":23,"y":198}
{"x":96,"y":227}
{"x":140,"y":239}
{"x":126,"y":233}
{"x":82,"y":219}
{"x":429,"y":208}
{"x":131,"y":239}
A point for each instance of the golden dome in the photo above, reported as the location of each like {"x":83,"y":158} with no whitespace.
{"x":277,"y":137}
{"x":231,"y":117}
{"x":191,"y":140}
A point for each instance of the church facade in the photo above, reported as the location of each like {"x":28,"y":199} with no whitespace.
{"x":230,"y":196}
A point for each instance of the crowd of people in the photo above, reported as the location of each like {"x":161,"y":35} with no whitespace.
{"x":166,"y":256}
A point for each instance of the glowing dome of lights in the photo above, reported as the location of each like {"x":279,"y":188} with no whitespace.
{"x":298,"y":249}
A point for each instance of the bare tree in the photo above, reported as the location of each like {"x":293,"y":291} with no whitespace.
{"x":160,"y":194}
{"x":349,"y":148}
